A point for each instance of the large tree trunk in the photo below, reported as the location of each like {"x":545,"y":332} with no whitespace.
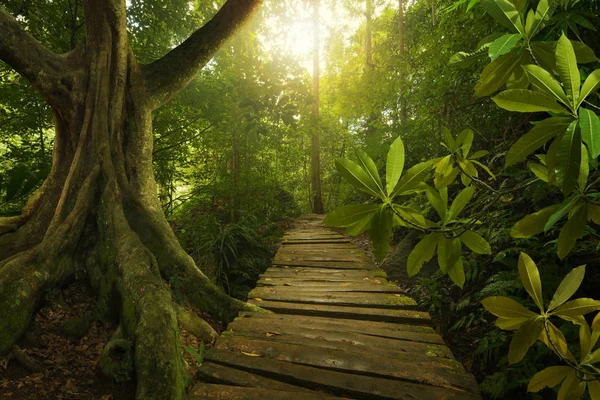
{"x":98,"y":212}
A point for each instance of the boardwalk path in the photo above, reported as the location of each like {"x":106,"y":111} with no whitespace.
{"x":340,"y":329}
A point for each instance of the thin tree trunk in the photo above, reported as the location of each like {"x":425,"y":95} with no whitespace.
{"x":402,"y":52}
{"x":315,"y":162}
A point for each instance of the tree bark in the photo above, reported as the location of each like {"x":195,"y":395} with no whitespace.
{"x":98,"y":211}
{"x":315,"y":144}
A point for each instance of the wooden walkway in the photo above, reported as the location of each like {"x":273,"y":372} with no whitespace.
{"x":340,"y":330}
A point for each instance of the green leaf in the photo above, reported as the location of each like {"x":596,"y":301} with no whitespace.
{"x":583,"y":52}
{"x":544,"y":12}
{"x":460,"y":202}
{"x":549,"y":377}
{"x":361,"y":226}
{"x":538,"y":136}
{"x":594,"y":389}
{"x":567,"y":287}
{"x":539,"y":171}
{"x":370,"y":168}
{"x":568,"y":159}
{"x":503,"y":45}
{"x":394,"y":165}
{"x":464,"y":141}
{"x":505,"y":13}
{"x":437,"y":203}
{"x":584,"y":169}
{"x":412,"y":177}
{"x":523,"y":339}
{"x":496,"y":73}
{"x":475,"y":242}
{"x":555,"y":340}
{"x":530,"y":277}
{"x":545,"y":83}
{"x":522,"y":100}
{"x":381,"y":232}
{"x":423,"y":252}
{"x":510,"y":324}
{"x":479,"y":154}
{"x":596,"y":322}
{"x":349,"y":214}
{"x":566,"y":64}
{"x":573,"y":230}
{"x":577,"y":307}
{"x":357,"y":177}
{"x":457,"y":273}
{"x":591,"y":84}
{"x":463,"y":59}
{"x":503,"y":307}
{"x":572,"y":388}
{"x":448,"y":252}
{"x":485,"y":168}
{"x":534,"y":223}
{"x":411,"y":215}
{"x":448,"y":139}
{"x":589,"y":124}
{"x":562,"y":210}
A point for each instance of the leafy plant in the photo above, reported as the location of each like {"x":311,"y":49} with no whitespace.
{"x":198,"y":354}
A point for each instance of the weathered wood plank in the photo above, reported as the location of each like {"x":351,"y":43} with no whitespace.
{"x":417,"y":333}
{"x":223,"y":392}
{"x":369,"y":314}
{"x":336,"y":382}
{"x":377,"y":300}
{"x":325,"y":286}
{"x":324,"y":264}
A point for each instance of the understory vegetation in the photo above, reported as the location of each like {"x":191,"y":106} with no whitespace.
{"x":463,"y":136}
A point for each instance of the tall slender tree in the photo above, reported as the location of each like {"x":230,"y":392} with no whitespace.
{"x":98,"y":211}
{"x":315,"y":154}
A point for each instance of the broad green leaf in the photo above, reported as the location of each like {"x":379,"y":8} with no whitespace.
{"x":443,"y":181}
{"x":503,"y":45}
{"x":544,"y":12}
{"x":573,"y":230}
{"x":518,"y":77}
{"x":555,"y":340}
{"x":596,"y":322}
{"x":567,"y":287}
{"x":457,"y":273}
{"x":460,"y":202}
{"x":496,"y":73}
{"x":545,"y":82}
{"x":587,"y":340}
{"x":485,"y":168}
{"x":411,"y":215}
{"x":423,"y":252}
{"x":539,"y":170}
{"x":549,"y":377}
{"x":412,"y":177}
{"x":594,"y":389}
{"x":568,"y":159}
{"x":590,"y":131}
{"x":572,"y":388}
{"x":521,"y":100}
{"x":530,"y":277}
{"x":577,"y":307}
{"x":594,"y":213}
{"x":503,"y":307}
{"x":448,"y":252}
{"x":464,"y":141}
{"x":562,"y":210}
{"x":370,"y":168}
{"x":591,"y":84}
{"x":475,"y":242}
{"x":583,"y":52}
{"x":349,"y":214}
{"x":594,"y":357}
{"x":566,"y":64}
{"x":448,"y":139}
{"x":437,"y":203}
{"x":463,"y":59}
{"x":505,"y":13}
{"x":394,"y":165}
{"x":361,"y":226}
{"x":534,"y":223}
{"x":479,"y":154}
{"x":510,"y":324}
{"x":356,"y":176}
{"x":381,"y":232}
{"x":538,"y":136}
{"x":584,"y":169}
{"x":523,"y":339}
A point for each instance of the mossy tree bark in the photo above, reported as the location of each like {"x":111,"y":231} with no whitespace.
{"x":98,"y":211}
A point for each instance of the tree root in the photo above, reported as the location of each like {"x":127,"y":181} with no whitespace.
{"x":22,"y":358}
{"x":196,"y":326}
{"x":117,"y":357}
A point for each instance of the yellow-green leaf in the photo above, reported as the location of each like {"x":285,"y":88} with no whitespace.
{"x":503,"y":307}
{"x":534,"y":223}
{"x":510,"y":324}
{"x":457,"y":273}
{"x":505,"y":13}
{"x":460,"y":202}
{"x":530,"y":276}
{"x":555,"y":340}
{"x":591,"y":84}
{"x":357,"y":177}
{"x":496,"y":73}
{"x":589,"y":123}
{"x":549,"y":377}
{"x":449,"y":251}
{"x":566,"y":64}
{"x":369,"y":167}
{"x":504,"y":45}
{"x":421,"y":253}
{"x":381,"y":232}
{"x":584,"y":169}
{"x":594,"y":389}
{"x":525,"y":101}
{"x":350,"y":214}
{"x":523,"y":339}
{"x":545,"y":82}
{"x":475,"y":242}
{"x":573,"y":230}
{"x":539,"y":170}
{"x":577,"y":307}
{"x":572,"y":388}
{"x":596,"y":322}
{"x":538,"y":136}
{"x":594,"y":213}
{"x":567,"y":287}
{"x":394,"y":165}
{"x":412,"y":177}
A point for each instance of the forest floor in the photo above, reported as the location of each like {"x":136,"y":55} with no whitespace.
{"x":70,"y":366}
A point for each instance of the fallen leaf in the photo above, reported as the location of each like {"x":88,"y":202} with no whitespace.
{"x":268,"y":279}
{"x":345,"y":283}
{"x":4,"y":361}
{"x":269,"y":334}
{"x":251,"y":354}
{"x":257,"y":299}
{"x":107,"y":397}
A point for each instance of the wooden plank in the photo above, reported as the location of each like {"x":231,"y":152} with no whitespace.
{"x":325,"y":286}
{"x":314,"y":241}
{"x":377,"y":300}
{"x":369,"y":314}
{"x":340,"y":340}
{"x":415,"y":333}
{"x":433,"y":372}
{"x":325,"y":274}
{"x":223,"y":392}
{"x":336,"y":382}
{"x":324,"y":264}
{"x":221,"y":374}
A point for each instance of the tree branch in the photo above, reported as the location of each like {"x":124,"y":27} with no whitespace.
{"x":168,"y":75}
{"x":30,"y":59}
